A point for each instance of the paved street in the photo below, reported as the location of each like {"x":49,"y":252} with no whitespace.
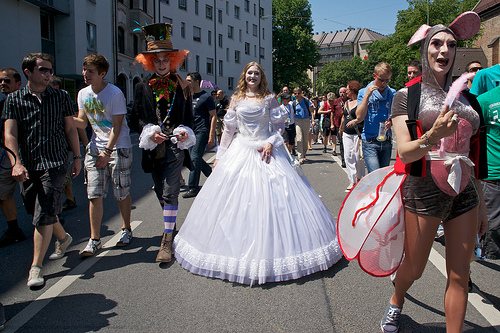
{"x":123,"y":290}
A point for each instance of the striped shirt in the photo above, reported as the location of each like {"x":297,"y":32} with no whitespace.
{"x":40,"y":126}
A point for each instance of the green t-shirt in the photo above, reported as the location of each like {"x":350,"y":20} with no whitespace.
{"x":490,"y":104}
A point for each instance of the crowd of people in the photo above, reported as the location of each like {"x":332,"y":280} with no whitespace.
{"x":248,"y":223}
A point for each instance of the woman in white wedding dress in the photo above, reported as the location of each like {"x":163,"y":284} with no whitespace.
{"x":255,"y":219}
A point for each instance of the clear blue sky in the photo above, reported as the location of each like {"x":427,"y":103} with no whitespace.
{"x":379,"y":16}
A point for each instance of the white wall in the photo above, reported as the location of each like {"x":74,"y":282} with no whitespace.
{"x":17,"y":39}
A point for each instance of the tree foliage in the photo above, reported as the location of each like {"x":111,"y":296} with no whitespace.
{"x":394,"y":49}
{"x":294,"y":50}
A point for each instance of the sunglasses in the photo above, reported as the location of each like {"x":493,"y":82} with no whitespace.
{"x":474,"y":69}
{"x":45,"y":70}
{"x":383,"y":80}
{"x":7,"y":80}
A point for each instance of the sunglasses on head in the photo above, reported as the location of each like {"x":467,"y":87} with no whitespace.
{"x":6,"y":80}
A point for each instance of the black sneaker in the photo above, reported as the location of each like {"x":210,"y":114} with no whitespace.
{"x":12,"y":236}
{"x":390,"y":322}
{"x":324,"y":150}
{"x":190,"y":194}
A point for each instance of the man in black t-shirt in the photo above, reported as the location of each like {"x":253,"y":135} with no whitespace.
{"x":221,"y":106}
{"x":205,"y":120}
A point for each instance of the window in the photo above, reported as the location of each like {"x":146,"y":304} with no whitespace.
{"x":209,"y":12}
{"x":261,"y":11}
{"x":220,"y":40}
{"x":261,"y":55}
{"x":209,"y":37}
{"x":210,"y":66}
{"x":219,"y":15}
{"x":121,"y":40}
{"x":247,"y":48}
{"x":47,"y":26}
{"x":197,"y":34}
{"x":255,"y":51}
{"x":183,"y":29}
{"x":221,"y":72}
{"x":196,"y":5}
{"x":184,"y":66}
{"x":230,"y":31}
{"x":237,"y":12}
{"x":254,"y":9}
{"x":263,"y":34}
{"x":227,"y":7}
{"x":136,"y":44}
{"x":145,"y":5}
{"x":246,"y":26}
{"x":230,"y":83}
{"x":183,"y":4}
{"x":255,"y":29}
{"x":227,"y":54}
{"x":237,"y":56}
{"x":197,"y":65}
{"x":247,"y":6}
{"x":91,"y":37}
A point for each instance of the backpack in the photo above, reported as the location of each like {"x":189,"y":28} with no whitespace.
{"x":306,"y":102}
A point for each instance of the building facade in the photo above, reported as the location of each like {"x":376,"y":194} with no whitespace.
{"x":222,"y":36}
{"x":489,"y":41}
{"x":342,"y":45}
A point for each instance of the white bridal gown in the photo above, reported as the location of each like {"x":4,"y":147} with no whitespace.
{"x":252,"y":221}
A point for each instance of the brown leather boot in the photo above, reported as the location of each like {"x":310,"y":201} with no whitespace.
{"x":165,"y":251}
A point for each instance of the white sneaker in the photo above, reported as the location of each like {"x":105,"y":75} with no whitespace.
{"x":35,"y":278}
{"x":125,"y":238}
{"x":91,"y":248}
{"x":61,"y":247}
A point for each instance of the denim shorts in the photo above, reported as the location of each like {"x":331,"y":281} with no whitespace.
{"x":422,"y":196}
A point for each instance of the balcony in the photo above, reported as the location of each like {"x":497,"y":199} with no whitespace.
{"x":140,"y":16}
{"x":57,"y":7}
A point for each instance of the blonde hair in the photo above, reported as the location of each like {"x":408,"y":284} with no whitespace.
{"x":241,"y":88}
{"x":382,"y":67}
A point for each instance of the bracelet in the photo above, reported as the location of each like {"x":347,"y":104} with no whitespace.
{"x":108,"y":150}
{"x":77,"y":157}
{"x":426,"y":143}
{"x":107,"y":153}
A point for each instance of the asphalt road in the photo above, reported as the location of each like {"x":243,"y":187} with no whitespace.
{"x":124,"y":290}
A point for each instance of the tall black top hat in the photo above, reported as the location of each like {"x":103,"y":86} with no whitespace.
{"x":158,"y":38}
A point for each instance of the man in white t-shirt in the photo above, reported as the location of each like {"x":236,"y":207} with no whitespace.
{"x":109,"y":154}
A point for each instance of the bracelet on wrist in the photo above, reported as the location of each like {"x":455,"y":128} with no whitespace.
{"x":77,"y":157}
{"x":108,"y":150}
{"x":427,"y":143}
{"x":107,"y":153}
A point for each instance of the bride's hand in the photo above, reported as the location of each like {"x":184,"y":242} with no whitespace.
{"x":266,"y":152}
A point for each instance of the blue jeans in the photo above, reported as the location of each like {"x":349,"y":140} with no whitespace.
{"x":377,"y":154}
{"x":199,"y":163}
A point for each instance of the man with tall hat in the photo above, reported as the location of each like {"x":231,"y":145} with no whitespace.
{"x":164,"y":103}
